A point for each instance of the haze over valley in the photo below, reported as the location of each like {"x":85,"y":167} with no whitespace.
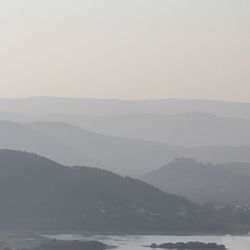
{"x":124,"y":125}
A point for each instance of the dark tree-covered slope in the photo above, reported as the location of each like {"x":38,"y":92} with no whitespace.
{"x":37,"y":192}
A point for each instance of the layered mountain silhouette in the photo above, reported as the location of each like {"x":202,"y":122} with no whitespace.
{"x":122,"y":155}
{"x":199,"y":182}
{"x":130,"y":138}
{"x":36,"y":192}
{"x":188,"y":129}
{"x":134,"y":156}
{"x":21,"y":137}
{"x":190,"y":123}
{"x":72,"y":145}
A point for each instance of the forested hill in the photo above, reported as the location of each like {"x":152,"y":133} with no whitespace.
{"x":37,"y":192}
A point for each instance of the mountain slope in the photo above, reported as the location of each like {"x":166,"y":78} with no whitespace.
{"x":187,"y":129}
{"x":133,"y":156}
{"x":201,"y":182}
{"x":122,"y":155}
{"x":37,"y":192}
{"x":237,"y":167}
{"x":20,"y":137}
{"x":71,"y":145}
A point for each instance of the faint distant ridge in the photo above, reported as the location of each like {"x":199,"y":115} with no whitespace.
{"x":63,"y":105}
{"x":190,"y":129}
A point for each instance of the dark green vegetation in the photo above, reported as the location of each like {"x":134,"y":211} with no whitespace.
{"x":38,"y":193}
{"x":72,"y":245}
{"x":189,"y":246}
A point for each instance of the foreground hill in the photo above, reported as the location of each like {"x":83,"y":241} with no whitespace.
{"x":203,"y":182}
{"x":39,"y":193}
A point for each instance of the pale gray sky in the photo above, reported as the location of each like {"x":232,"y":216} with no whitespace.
{"x":129,"y":49}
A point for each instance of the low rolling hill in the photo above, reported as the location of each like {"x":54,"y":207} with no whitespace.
{"x":200,"y":182}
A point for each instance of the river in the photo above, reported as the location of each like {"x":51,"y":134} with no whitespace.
{"x":137,"y":242}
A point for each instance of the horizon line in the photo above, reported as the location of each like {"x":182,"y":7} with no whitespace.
{"x":124,"y":100}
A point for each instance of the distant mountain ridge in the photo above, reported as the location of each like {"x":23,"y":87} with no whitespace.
{"x":21,"y":137}
{"x":122,"y":155}
{"x":72,"y":145}
{"x":188,"y":129}
{"x":188,"y":123}
{"x":61,"y":105}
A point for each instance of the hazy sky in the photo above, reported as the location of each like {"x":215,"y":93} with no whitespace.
{"x":129,"y":49}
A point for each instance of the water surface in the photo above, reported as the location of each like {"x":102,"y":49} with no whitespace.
{"x":136,"y":242}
